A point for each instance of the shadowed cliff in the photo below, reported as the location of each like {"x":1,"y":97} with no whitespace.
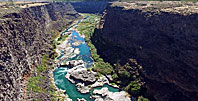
{"x":162,"y":37}
{"x":90,"y":6}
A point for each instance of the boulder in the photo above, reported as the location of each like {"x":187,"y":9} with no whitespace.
{"x":84,"y":75}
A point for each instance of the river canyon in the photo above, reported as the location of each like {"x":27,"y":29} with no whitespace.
{"x":99,"y":51}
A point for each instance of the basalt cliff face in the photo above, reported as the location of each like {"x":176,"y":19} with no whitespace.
{"x":24,"y":37}
{"x":162,"y":37}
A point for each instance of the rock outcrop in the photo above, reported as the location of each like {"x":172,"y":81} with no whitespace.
{"x":84,"y":75}
{"x":24,"y":37}
{"x":111,"y":96}
{"x":162,"y":37}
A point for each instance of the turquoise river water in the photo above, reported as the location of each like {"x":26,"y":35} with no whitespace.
{"x":60,"y":72}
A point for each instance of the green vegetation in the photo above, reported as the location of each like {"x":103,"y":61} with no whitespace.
{"x":54,"y":43}
{"x":87,"y":28}
{"x":103,"y":68}
{"x":115,"y":76}
{"x":133,"y":88}
{"x":130,"y":71}
{"x":41,"y":68}
{"x":54,"y":34}
{"x":123,"y":71}
{"x":44,"y":64}
{"x":63,"y":37}
{"x":35,"y":82}
{"x":141,"y":98}
{"x":125,"y":74}
{"x":54,"y":47}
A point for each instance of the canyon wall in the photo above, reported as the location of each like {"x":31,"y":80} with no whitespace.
{"x":90,"y":6}
{"x":24,"y":37}
{"x":162,"y":37}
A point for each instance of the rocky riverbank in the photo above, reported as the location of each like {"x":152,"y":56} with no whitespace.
{"x":110,"y":96}
{"x":86,"y":80}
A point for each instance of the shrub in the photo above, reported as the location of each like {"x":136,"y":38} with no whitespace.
{"x":89,"y":86}
{"x":54,"y":55}
{"x":115,"y":76}
{"x":125,"y":74}
{"x":133,"y":87}
{"x":64,"y":37}
{"x":54,"y":44}
{"x":103,"y":68}
{"x":141,"y":98}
